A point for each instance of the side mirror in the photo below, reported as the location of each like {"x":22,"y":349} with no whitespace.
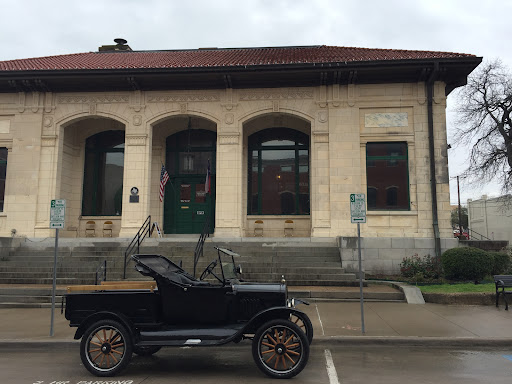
{"x":238,"y":269}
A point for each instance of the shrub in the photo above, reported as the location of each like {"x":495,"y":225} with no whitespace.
{"x":466,"y":263}
{"x":420,"y":268}
{"x":501,"y":262}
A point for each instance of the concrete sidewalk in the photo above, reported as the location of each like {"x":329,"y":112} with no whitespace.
{"x":333,"y":322}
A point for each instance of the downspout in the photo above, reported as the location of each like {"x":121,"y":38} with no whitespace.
{"x":433,"y":182}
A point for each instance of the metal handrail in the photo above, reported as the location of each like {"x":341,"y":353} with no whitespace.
{"x":144,"y":230}
{"x":102,"y":267}
{"x":198,"y":252}
{"x":471,"y":231}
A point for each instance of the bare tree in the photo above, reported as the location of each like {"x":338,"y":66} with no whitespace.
{"x":486,"y":125}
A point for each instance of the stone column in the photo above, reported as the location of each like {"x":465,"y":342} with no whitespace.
{"x":320,"y":188}
{"x":137,"y":170}
{"x":228,"y":203}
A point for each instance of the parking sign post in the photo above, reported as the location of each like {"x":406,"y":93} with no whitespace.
{"x":358,"y":215}
{"x":57,"y":216}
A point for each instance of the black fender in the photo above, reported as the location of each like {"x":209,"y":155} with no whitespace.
{"x":269,"y":314}
{"x":104,"y":315}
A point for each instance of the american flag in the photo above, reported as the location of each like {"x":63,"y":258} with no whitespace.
{"x":164,"y":177}
{"x":208,"y":179}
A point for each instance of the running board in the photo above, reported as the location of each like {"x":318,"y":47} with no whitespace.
{"x":189,"y":336}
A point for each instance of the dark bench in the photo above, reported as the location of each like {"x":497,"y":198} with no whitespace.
{"x":503,"y":281}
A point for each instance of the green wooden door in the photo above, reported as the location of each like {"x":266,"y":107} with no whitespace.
{"x":189,"y":154}
{"x":193,"y":205}
{"x":187,"y":206}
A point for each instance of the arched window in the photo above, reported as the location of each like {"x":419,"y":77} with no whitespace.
{"x":278,"y":172}
{"x":103,"y":174}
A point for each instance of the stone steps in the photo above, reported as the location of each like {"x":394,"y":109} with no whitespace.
{"x":302,"y":262}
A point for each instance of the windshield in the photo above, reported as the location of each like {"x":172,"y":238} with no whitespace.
{"x":227,"y":260}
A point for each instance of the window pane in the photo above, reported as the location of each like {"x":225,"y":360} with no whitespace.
{"x":194,"y":163}
{"x":111,"y":185}
{"x":103,"y":174}
{"x":278,"y":186}
{"x":185,"y":193}
{"x":200,"y":193}
{"x":386,"y":149}
{"x":253,"y":184}
{"x":303,"y":182}
{"x":387,"y":176}
{"x":3,"y":171}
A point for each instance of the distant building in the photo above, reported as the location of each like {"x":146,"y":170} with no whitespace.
{"x":491,"y":218}
{"x":289,"y":132}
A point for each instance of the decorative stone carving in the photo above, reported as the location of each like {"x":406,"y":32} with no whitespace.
{"x":48,"y":102}
{"x":93,"y":108}
{"x":183,"y":108}
{"x":229,"y":139}
{"x":35,"y":101}
{"x":48,"y":140}
{"x":276,"y":94}
{"x":21,"y":102}
{"x":275,"y":105}
{"x":230,"y":118}
{"x":322,"y":116}
{"x":136,"y":139}
{"x":103,"y":99}
{"x":384,"y":120}
{"x":351,"y":94}
{"x":137,"y":105}
{"x":48,"y":121}
{"x":137,"y":120}
{"x":183,"y":98}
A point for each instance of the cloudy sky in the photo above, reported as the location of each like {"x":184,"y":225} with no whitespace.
{"x":33,"y":28}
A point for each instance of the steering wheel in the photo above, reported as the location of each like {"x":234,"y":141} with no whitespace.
{"x":209,"y":271}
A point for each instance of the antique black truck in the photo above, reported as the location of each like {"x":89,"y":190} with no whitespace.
{"x":116,"y":319}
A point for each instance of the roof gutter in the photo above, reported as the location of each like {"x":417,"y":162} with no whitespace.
{"x":433,"y":182}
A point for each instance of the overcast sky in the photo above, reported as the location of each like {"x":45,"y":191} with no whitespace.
{"x":33,"y":28}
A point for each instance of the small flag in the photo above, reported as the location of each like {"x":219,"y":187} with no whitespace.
{"x":208,"y":179}
{"x":164,"y":177}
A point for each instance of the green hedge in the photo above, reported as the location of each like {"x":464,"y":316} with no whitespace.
{"x":467,"y":263}
{"x":501,"y":262}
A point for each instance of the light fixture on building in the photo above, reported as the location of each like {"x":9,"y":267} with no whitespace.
{"x":188,"y":162}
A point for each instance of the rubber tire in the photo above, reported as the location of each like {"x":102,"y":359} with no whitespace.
{"x":125,"y":359}
{"x":298,"y":332}
{"x":307,"y":323}
{"x":146,"y":350}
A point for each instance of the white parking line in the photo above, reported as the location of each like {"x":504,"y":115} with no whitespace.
{"x":331,"y":370}
{"x":320,"y":320}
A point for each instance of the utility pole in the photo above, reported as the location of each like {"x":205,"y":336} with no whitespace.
{"x":460,"y":211}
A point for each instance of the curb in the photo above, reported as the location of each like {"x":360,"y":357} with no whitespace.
{"x":326,"y":341}
{"x":465,"y":342}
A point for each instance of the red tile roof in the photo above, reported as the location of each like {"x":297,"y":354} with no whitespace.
{"x":218,"y":58}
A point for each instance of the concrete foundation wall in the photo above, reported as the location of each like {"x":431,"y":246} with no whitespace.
{"x":383,"y":255}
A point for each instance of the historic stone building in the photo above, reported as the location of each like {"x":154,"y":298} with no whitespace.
{"x":288,"y":133}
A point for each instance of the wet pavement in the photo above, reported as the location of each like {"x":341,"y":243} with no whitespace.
{"x":332,"y":322}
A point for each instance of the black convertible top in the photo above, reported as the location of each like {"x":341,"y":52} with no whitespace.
{"x":160,"y":266}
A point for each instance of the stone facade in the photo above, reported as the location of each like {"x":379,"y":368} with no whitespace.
{"x":45,"y":134}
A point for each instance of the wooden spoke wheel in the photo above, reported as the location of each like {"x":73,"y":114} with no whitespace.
{"x":106,"y":348}
{"x":280,"y":349}
{"x":303,"y":322}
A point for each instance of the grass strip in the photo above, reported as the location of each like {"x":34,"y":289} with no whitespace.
{"x":454,"y":288}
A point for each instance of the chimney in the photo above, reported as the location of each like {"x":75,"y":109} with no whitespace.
{"x":121,"y":45}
